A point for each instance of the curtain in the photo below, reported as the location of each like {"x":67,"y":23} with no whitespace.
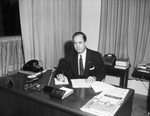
{"x":11,"y":54}
{"x":46,"y":25}
{"x":125,"y":29}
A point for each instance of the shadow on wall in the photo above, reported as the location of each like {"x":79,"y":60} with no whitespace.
{"x":68,"y":48}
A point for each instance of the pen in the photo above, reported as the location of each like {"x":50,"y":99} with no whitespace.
{"x":50,"y":78}
{"x":112,"y":96}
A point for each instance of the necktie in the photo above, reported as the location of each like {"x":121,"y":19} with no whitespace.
{"x":81,"y":66}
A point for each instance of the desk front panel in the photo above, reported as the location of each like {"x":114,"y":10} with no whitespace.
{"x":16,"y":101}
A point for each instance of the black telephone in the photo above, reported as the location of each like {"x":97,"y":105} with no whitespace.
{"x":33,"y":65}
{"x":109,"y":59}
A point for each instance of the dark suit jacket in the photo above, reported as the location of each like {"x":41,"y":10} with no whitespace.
{"x":94,"y":65}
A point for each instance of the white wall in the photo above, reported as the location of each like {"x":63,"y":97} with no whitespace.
{"x":90,"y":21}
{"x":90,"y":26}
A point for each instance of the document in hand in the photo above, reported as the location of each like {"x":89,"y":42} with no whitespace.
{"x":106,"y":103}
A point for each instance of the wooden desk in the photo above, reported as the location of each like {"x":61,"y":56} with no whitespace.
{"x":123,"y":74}
{"x":145,"y":76}
{"x":16,"y":102}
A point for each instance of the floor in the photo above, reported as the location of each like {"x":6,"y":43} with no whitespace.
{"x":139,"y":106}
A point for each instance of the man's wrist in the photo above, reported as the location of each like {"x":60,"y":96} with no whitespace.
{"x":94,"y":77}
{"x":57,"y":75}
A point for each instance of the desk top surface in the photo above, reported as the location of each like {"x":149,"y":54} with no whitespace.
{"x":71,"y":104}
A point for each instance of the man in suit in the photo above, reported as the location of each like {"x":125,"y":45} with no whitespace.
{"x":90,"y":66}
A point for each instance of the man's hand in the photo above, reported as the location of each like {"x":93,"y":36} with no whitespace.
{"x":61,"y":77}
{"x":91,"y":79}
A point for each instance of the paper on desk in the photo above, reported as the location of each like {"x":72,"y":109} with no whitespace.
{"x":97,"y":85}
{"x":80,"y":83}
{"x":57,"y":82}
{"x":101,"y":86}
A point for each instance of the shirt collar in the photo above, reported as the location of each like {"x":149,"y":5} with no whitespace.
{"x":83,"y":54}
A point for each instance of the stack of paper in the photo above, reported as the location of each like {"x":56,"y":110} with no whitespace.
{"x":122,"y":63}
{"x":145,"y":68}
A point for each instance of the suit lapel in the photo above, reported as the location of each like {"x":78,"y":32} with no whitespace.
{"x":75,"y":64}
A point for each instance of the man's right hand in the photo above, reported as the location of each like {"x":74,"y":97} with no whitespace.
{"x":61,"y":77}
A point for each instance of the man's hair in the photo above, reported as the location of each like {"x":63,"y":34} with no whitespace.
{"x":79,"y":33}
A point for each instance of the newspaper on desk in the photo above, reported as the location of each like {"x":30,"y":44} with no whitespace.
{"x":106,"y":103}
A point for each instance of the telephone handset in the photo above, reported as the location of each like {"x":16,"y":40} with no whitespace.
{"x":33,"y":65}
{"x":109,"y":59}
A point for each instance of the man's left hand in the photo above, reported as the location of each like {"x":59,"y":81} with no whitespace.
{"x":91,"y":79}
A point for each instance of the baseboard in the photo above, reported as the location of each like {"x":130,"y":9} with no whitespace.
{"x":139,"y":96}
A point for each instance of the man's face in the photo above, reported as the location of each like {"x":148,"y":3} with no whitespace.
{"x":79,"y":44}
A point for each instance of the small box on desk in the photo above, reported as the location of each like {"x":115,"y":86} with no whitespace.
{"x":59,"y":93}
